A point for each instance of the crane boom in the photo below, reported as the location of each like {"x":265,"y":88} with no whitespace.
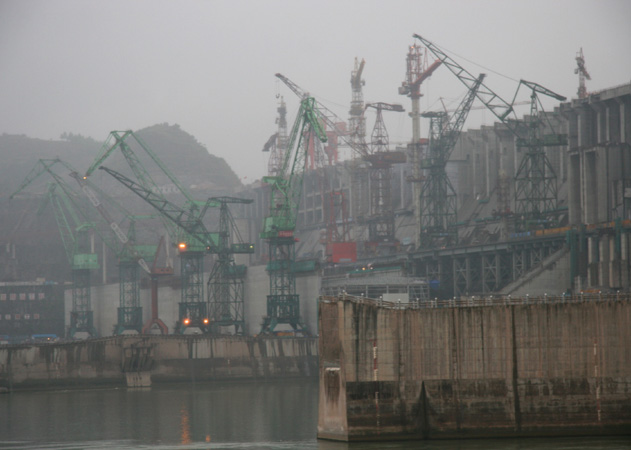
{"x":454,"y":127}
{"x":182,"y":217}
{"x":498,"y":106}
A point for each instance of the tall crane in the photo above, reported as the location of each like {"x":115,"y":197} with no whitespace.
{"x":77,"y":235}
{"x":535,"y":179}
{"x":417,"y":71}
{"x":191,"y":252}
{"x":224,"y":307}
{"x":381,"y":159}
{"x":438,"y":209}
{"x":73,"y":221}
{"x":583,"y":74}
{"x":130,"y":255}
{"x":283,"y":303}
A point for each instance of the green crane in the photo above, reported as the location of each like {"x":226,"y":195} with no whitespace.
{"x":77,"y":235}
{"x":283,"y":305}
{"x":225,"y":283}
{"x":130,"y":255}
{"x":535,"y":179}
{"x":192,"y":306}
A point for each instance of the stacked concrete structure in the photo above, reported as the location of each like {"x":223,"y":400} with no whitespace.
{"x":486,"y":368}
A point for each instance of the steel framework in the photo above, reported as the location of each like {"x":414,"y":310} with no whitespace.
{"x":438,"y":208}
{"x":283,"y":303}
{"x":381,"y":159}
{"x":535,"y":193}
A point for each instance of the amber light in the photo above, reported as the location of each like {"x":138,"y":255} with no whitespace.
{"x":187,"y":321}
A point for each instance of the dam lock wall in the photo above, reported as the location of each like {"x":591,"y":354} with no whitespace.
{"x":494,"y":367}
{"x":139,"y":360}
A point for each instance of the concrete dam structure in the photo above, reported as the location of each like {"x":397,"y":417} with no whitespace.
{"x":486,"y":367}
{"x":142,"y":360}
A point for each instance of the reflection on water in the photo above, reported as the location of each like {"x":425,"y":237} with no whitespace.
{"x":256,"y":416}
{"x":210,"y":415}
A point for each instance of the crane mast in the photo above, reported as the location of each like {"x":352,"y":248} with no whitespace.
{"x":381,"y":159}
{"x":438,"y":201}
{"x":283,"y":306}
{"x":417,"y":71}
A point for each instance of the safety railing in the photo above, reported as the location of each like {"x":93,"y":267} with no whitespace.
{"x":479,"y":301}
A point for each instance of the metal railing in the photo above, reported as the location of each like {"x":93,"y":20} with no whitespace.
{"x":478,"y":301}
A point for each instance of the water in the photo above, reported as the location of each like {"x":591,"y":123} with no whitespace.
{"x":258,"y":416}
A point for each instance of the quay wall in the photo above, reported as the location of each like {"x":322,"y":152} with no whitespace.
{"x":478,"y":369}
{"x":109,"y":361}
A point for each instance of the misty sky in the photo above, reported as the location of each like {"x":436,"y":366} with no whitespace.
{"x":89,"y":67}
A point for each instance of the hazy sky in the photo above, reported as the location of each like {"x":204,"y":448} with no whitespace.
{"x":89,"y":67}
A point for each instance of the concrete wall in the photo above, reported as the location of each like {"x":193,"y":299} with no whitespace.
{"x":505,"y":370}
{"x":165,"y":358}
{"x":552,"y":277}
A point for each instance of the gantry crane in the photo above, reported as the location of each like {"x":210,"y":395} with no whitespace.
{"x":283,"y":303}
{"x":192,"y":306}
{"x":225,"y":283}
{"x":438,"y":208}
{"x":130,"y":255}
{"x":381,"y":159}
{"x":535,"y":179}
{"x":77,"y":235}
{"x":73,"y":221}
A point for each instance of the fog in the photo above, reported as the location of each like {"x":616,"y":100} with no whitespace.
{"x":89,"y":67}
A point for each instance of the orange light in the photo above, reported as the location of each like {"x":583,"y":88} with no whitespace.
{"x":206,"y":321}
{"x":187,"y":321}
{"x":182,"y":246}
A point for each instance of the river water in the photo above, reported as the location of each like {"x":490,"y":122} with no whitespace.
{"x":244,"y":415}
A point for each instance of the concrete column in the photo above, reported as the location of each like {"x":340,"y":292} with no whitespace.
{"x":614,"y":265}
{"x":574,"y":189}
{"x":590,"y":187}
{"x":625,"y":262}
{"x":603,"y":261}
{"x":592,"y":261}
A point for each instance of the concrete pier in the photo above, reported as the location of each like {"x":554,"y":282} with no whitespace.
{"x":144,"y":360}
{"x":484,"y":367}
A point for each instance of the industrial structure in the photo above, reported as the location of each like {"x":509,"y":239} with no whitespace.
{"x":283,"y":305}
{"x":533,"y":204}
